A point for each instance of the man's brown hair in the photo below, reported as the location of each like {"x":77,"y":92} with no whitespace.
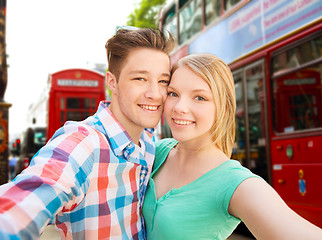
{"x":119,"y":46}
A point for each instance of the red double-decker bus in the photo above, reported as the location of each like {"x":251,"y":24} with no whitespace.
{"x":274,"y":49}
{"x":71,"y":94}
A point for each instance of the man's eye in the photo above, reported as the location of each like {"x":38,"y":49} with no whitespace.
{"x":166,"y":82}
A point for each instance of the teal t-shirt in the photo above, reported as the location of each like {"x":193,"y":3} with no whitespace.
{"x":198,"y":210}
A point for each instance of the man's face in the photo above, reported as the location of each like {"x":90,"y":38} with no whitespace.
{"x":140,"y":92}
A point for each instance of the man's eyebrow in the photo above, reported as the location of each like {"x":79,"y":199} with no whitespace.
{"x":166,"y":75}
{"x":139,"y":71}
{"x":147,"y":72}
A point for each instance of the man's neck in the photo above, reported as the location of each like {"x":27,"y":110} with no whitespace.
{"x":132,"y":130}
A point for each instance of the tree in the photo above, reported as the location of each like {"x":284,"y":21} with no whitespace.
{"x":145,"y":14}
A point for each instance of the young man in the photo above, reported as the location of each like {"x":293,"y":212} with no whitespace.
{"x":90,"y":178}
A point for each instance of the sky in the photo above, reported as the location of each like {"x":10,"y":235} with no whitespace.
{"x":45,"y":36}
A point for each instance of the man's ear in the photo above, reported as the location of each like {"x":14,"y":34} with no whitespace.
{"x":111,"y":81}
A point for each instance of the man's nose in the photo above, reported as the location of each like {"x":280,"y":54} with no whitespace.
{"x":155,"y":91}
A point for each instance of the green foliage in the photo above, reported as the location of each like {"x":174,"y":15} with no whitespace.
{"x":145,"y":14}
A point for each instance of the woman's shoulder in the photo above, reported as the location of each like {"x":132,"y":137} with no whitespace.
{"x":232,"y":171}
{"x":165,"y":143}
{"x":163,"y":147}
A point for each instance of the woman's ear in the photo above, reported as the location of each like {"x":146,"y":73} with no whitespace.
{"x":111,"y":81}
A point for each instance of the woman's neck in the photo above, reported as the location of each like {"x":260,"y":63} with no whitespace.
{"x":186,"y":152}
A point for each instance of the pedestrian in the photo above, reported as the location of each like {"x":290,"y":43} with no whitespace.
{"x":196,"y":191}
{"x":90,"y":178}
{"x":12,"y":166}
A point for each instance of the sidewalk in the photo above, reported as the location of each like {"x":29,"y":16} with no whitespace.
{"x":51,"y":234}
{"x":239,"y":237}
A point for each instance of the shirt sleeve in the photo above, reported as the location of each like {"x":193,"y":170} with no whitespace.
{"x":56,"y":181}
{"x":237,"y":174}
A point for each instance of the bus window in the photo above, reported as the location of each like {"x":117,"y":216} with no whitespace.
{"x":213,"y":10}
{"x":239,"y":152}
{"x":250,"y":144}
{"x":297,"y":56}
{"x":228,"y":4}
{"x":170,"y":22}
{"x":297,"y":87}
{"x":190,"y":19}
{"x":256,"y":118}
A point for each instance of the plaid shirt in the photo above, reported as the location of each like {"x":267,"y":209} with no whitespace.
{"x":89,"y":180}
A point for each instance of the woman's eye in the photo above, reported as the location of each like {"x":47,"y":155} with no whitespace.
{"x":139,"y":79}
{"x":199,"y":98}
{"x":172,"y":94}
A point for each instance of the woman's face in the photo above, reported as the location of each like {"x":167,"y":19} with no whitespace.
{"x":189,"y":107}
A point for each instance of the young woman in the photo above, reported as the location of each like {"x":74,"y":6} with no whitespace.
{"x":195,"y":190}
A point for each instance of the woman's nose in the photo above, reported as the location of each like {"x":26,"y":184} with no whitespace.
{"x":181,"y":106}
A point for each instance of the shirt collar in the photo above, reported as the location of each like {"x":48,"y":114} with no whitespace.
{"x":120,"y":142}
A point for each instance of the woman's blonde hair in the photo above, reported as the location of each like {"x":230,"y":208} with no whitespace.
{"x":220,"y":80}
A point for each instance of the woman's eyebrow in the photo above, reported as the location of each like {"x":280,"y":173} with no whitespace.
{"x":171,"y":87}
{"x":200,"y":90}
{"x":194,"y":90}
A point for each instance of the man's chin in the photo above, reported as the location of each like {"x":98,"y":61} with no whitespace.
{"x":151,"y":125}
